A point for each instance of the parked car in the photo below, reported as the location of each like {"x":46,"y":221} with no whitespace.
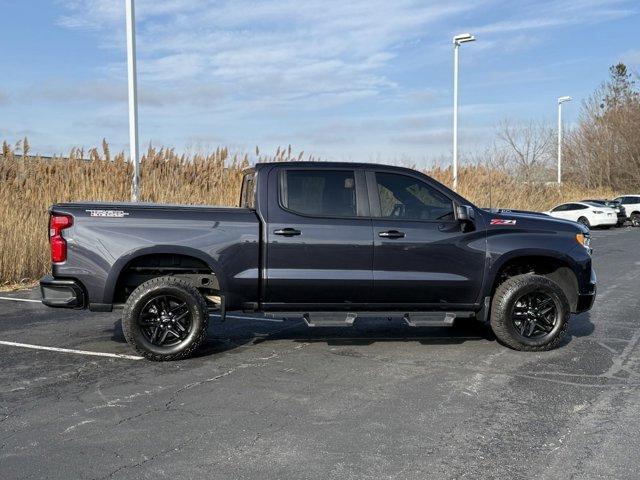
{"x":326,"y":242}
{"x":631,"y":204}
{"x":588,"y":214}
{"x":621,"y":213}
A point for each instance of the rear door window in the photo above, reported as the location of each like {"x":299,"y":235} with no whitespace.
{"x":325,"y":193}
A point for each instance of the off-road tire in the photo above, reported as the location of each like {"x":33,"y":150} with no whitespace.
{"x":504,"y":299}
{"x":175,"y":287}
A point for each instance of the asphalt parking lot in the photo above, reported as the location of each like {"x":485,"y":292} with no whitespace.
{"x":268,"y":400}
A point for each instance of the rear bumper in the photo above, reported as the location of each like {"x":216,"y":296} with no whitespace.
{"x":61,"y":293}
{"x":605,"y":221}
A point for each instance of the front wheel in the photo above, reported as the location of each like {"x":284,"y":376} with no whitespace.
{"x":165,"y":318}
{"x":530,"y":312}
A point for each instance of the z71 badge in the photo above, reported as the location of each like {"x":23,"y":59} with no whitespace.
{"x":502,"y":221}
{"x":107,"y":213}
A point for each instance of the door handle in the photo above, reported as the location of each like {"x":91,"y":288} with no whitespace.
{"x":287,"y":232}
{"x":392,"y":234}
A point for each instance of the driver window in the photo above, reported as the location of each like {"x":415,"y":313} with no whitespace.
{"x":407,"y":198}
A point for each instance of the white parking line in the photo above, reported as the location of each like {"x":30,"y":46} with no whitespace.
{"x":20,"y":299}
{"x":70,"y":350}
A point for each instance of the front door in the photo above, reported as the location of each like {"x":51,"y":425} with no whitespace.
{"x":422,"y":256}
{"x":319,"y":239}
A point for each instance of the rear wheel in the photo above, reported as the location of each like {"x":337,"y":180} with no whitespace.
{"x":584,"y":221}
{"x":635,"y":219}
{"x":530,"y":312}
{"x":165,"y":318}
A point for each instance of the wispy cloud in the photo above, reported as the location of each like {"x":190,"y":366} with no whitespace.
{"x":274,"y":54}
{"x":543,"y":15}
{"x":356,"y":78}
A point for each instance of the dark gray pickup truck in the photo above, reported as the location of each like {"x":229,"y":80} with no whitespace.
{"x":327,"y":242}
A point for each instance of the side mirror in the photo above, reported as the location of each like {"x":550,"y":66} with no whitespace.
{"x":463,"y":213}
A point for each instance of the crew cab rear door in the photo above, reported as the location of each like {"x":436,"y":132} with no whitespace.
{"x":423,"y":256}
{"x":319,"y":238}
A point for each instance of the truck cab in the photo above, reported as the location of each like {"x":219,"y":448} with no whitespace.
{"x":348,"y":237}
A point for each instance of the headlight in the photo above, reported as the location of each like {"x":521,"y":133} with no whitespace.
{"x":584,"y":240}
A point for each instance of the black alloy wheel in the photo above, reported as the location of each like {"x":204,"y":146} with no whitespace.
{"x":535,"y":315}
{"x":165,"y":318}
{"x":165,"y":321}
{"x":530,"y":312}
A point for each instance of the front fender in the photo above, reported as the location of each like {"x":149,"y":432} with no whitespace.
{"x":503,"y":247}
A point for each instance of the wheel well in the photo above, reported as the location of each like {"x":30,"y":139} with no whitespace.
{"x":549,"y":267}
{"x":146,"y":267}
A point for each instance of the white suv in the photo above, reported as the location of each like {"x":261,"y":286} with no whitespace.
{"x":588,"y":214}
{"x":631,"y":204}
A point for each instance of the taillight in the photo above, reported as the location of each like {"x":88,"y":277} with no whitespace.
{"x":57,"y":223}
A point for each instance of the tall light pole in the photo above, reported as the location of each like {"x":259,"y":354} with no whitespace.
{"x":133,"y":99}
{"x":457,"y":41}
{"x":561,"y":100}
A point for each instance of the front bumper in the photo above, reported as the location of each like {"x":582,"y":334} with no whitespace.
{"x":586,"y":299}
{"x":61,"y":292}
{"x":585,"y":302}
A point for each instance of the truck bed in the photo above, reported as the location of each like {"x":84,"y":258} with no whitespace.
{"x":107,"y":237}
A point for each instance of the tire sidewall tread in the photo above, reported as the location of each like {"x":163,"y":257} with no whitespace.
{"x":171,"y":285}
{"x":507,"y":293}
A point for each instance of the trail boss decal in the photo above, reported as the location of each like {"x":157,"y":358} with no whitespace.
{"x":500,"y":221}
{"x":107,"y":213}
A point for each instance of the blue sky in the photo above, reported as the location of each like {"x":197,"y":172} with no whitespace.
{"x":364,"y":80}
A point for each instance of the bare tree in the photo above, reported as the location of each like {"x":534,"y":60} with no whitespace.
{"x":525,"y":147}
{"x":604,"y":150}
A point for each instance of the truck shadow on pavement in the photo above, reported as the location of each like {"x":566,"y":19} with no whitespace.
{"x":234,"y":334}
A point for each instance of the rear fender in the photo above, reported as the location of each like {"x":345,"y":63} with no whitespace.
{"x":123,"y":261}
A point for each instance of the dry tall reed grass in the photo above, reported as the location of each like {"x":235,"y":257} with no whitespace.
{"x":28,"y":186}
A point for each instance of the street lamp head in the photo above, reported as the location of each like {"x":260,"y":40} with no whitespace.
{"x":564,"y":99}
{"x":463,"y":38}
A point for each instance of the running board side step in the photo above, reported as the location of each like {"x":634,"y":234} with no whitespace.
{"x":346,"y":319}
